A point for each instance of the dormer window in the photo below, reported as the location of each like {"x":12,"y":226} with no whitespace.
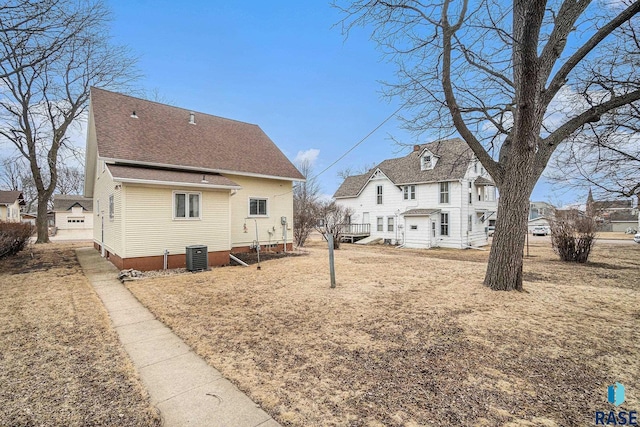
{"x":427,"y":161}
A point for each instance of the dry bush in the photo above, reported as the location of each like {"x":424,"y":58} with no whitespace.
{"x":14,"y":237}
{"x":573,"y":236}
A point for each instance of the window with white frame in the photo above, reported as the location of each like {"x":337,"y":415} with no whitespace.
{"x":380,"y":223}
{"x":257,"y":207}
{"x":444,"y":224}
{"x":186,"y":205}
{"x":390,"y":223}
{"x":379,"y":195}
{"x":112,"y":207}
{"x":444,"y":192}
{"x":409,"y":192}
{"x":470,"y":223}
{"x":427,"y":162}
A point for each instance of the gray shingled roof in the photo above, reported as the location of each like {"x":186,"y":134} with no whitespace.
{"x":9,"y":197}
{"x":420,"y":212}
{"x":163,"y":135}
{"x":64,"y":202}
{"x":120,"y":172}
{"x":454,"y":156}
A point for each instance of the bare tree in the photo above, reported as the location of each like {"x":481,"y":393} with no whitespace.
{"x":604,"y":157}
{"x":332,"y":219}
{"x":502,"y":74}
{"x":41,"y":99}
{"x":34,"y":29}
{"x":15,"y":175}
{"x":10,"y":175}
{"x":70,"y":180}
{"x":349,"y":171}
{"x":305,"y":201}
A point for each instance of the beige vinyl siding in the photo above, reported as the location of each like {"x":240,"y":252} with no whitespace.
{"x":279,"y":203}
{"x":113,"y":232}
{"x":150,"y":227}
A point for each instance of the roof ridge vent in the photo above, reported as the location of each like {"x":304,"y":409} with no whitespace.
{"x":192,"y":118}
{"x":134,"y":115}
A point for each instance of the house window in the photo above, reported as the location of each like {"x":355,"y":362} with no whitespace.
{"x":470,"y":198}
{"x":379,"y":195}
{"x":409,"y":192}
{"x":390,"y":223}
{"x":186,"y":205}
{"x":380,"y":223}
{"x":258,"y":207}
{"x":475,"y":166}
{"x":470,"y":223}
{"x":111,"y":207}
{"x":426,"y":163}
{"x":414,"y":227}
{"x":444,"y":192}
{"x":444,"y":224}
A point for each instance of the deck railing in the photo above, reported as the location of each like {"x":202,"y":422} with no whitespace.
{"x":359,"y":229}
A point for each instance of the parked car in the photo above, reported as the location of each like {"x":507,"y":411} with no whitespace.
{"x":636,"y":238}
{"x":540,"y":230}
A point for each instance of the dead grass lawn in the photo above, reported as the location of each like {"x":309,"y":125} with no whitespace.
{"x":411,"y":337}
{"x":61,"y":363}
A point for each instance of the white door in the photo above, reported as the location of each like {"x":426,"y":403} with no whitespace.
{"x":365,"y":218}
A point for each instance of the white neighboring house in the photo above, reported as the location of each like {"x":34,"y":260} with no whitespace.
{"x":437,"y":196}
{"x":73,"y":217}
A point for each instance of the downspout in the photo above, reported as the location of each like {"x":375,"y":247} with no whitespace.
{"x":166,"y":259}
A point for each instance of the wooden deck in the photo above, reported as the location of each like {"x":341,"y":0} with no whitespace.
{"x":354,"y":232}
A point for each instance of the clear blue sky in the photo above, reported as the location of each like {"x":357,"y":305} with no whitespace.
{"x":279,"y":64}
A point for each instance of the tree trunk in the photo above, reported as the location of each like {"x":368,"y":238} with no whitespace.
{"x":42,"y":222}
{"x":504,"y":272}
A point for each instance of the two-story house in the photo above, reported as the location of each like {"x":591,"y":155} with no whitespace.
{"x":437,"y":196}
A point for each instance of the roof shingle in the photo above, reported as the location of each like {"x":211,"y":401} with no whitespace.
{"x":9,"y":197}
{"x":453,"y":159}
{"x":163,"y":135}
{"x":64,"y":202}
{"x":120,"y":172}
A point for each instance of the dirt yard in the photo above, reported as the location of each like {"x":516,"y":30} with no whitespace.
{"x":412,"y":338}
{"x":61,"y":363}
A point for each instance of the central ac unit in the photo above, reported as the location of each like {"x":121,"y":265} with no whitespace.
{"x":197,"y":258}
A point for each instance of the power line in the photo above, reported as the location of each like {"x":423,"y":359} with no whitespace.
{"x":389,"y":117}
{"x":362,"y":140}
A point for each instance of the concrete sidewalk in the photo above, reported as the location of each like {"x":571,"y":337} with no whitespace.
{"x":186,"y":390}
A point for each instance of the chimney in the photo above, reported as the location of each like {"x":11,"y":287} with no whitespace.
{"x":416,"y":148}
{"x":192,"y":118}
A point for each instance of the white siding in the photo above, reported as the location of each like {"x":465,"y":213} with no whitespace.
{"x":149,"y":226}
{"x":420,"y":236}
{"x":427,"y":197}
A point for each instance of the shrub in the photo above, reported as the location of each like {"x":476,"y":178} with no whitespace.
{"x":14,"y":237}
{"x":573,"y":236}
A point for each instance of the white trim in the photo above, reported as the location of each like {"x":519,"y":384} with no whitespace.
{"x":186,"y":205}
{"x":197,"y":169}
{"x":176,"y":184}
{"x":266,"y":199}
